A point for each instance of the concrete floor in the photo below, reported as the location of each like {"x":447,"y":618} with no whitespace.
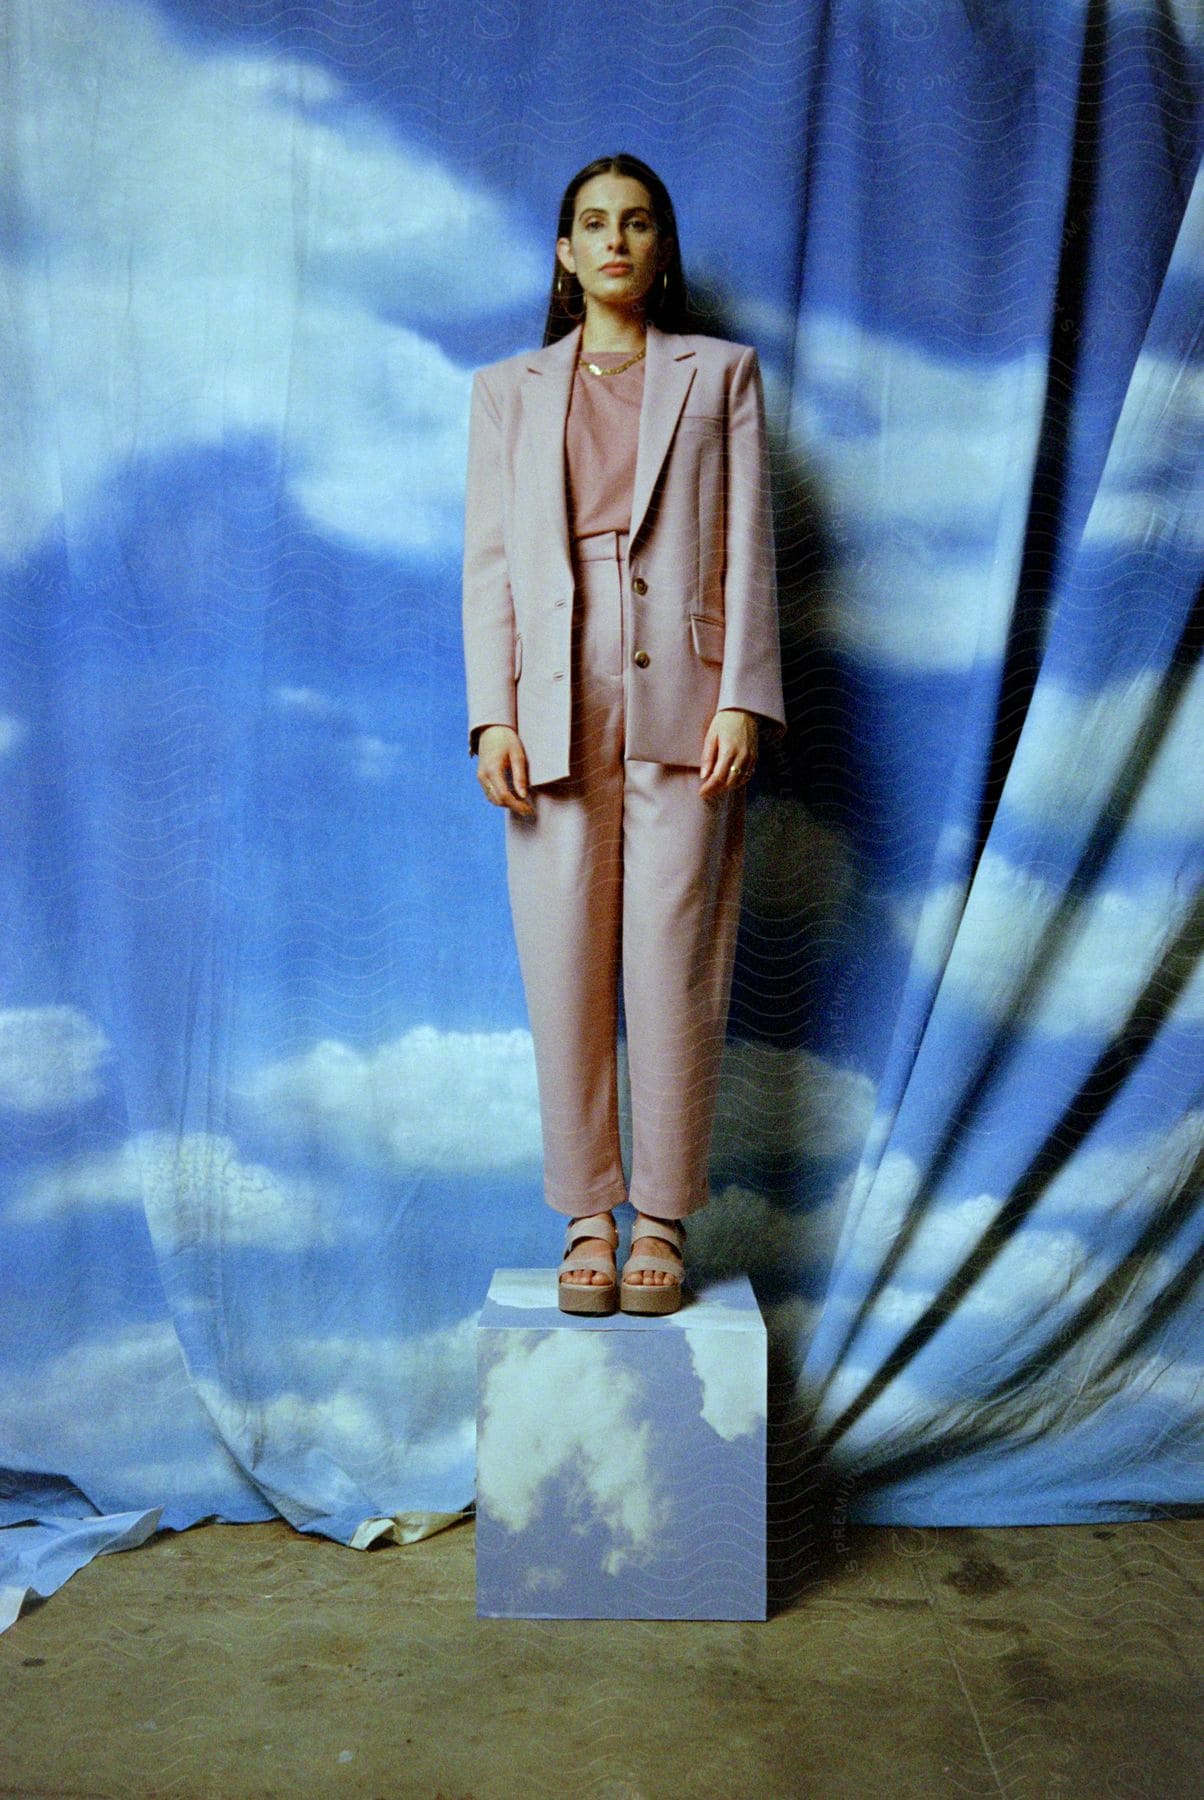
{"x":251,"y":1660}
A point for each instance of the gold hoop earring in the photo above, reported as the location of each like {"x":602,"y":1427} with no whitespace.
{"x":563,"y":291}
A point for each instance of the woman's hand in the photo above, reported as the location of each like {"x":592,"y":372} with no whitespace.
{"x":729,"y":751}
{"x":502,"y":769}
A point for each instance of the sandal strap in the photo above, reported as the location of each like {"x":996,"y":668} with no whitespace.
{"x":672,"y":1269}
{"x":596,"y":1225}
{"x":606,"y":1264}
{"x":673,"y":1232}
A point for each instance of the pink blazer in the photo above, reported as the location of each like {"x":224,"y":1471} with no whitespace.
{"x":700,"y":553}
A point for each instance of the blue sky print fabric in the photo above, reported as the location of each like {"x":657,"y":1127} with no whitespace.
{"x":268,"y":1117}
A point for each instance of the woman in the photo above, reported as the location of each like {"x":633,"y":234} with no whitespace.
{"x":621,"y":656}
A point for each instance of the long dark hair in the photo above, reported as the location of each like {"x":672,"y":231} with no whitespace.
{"x":667,"y":304}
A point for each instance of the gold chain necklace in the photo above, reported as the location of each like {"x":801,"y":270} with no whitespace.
{"x":618,"y":368}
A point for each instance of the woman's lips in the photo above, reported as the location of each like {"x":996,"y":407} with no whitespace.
{"x":616,"y":268}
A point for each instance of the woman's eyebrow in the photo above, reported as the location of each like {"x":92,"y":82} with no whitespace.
{"x":626,"y":212}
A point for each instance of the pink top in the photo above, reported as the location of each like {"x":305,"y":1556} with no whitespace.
{"x":601,"y":437}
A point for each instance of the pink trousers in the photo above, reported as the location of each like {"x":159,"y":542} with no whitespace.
{"x":623,"y":871}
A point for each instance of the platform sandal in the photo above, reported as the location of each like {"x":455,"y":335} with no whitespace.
{"x":591,"y":1297}
{"x":654,"y":1296}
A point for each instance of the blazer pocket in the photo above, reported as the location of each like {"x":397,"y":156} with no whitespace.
{"x":701,"y":422}
{"x":518,"y":656}
{"x":708,"y":635}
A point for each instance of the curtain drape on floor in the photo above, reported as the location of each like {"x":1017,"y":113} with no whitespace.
{"x":267,"y":1096}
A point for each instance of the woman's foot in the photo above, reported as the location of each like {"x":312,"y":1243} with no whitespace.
{"x":654,"y":1246}
{"x":578,"y":1275}
{"x":588,"y":1277}
{"x":652,"y":1281}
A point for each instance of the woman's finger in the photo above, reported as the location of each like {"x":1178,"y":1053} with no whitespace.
{"x":493,"y":780}
{"x":513,"y":783}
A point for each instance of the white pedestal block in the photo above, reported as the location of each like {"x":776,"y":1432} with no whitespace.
{"x":621,"y":1460}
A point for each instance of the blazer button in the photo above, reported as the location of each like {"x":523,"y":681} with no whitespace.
{"x":639,"y":585}
{"x":642,"y":659}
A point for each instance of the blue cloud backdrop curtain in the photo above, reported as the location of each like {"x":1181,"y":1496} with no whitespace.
{"x":266,"y":1087}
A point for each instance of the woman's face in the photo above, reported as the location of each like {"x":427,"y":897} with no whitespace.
{"x":613,"y":223}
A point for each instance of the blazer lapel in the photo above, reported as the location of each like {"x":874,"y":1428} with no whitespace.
{"x":547,"y":384}
{"x":545,"y":404}
{"x":668,"y":372}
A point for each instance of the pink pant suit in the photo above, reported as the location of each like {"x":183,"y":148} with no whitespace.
{"x":622,"y":872}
